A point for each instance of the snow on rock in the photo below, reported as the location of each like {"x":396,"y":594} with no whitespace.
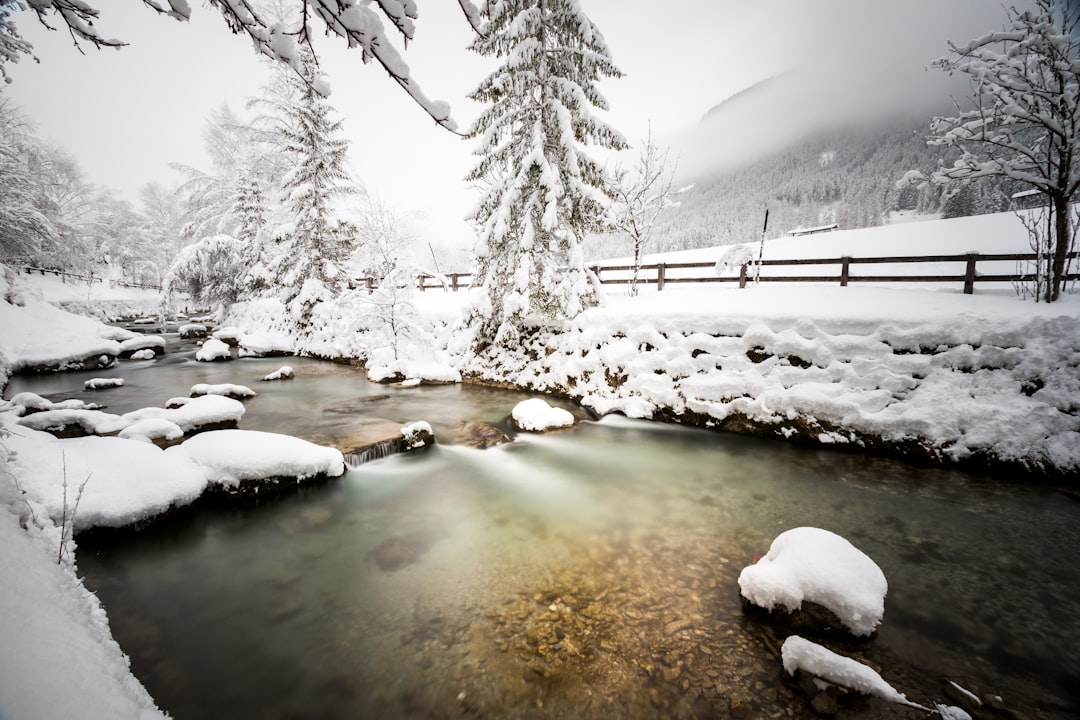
{"x":58,"y":658}
{"x":815,"y":565}
{"x":74,"y":422}
{"x":195,"y":414}
{"x":536,"y":415}
{"x":282,"y":373}
{"x":229,"y":335}
{"x":125,"y":481}
{"x":193,"y":330}
{"x":213,"y":349}
{"x":227,"y":389}
{"x":801,"y":654}
{"x":28,"y":402}
{"x":146,"y":354}
{"x":238,"y":459}
{"x":152,"y":430}
{"x":417,"y":435}
{"x":103,"y":383}
{"x":154,"y":343}
{"x":263,"y":344}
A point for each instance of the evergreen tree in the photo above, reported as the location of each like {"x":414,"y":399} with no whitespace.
{"x":312,"y":245}
{"x":542,"y":193}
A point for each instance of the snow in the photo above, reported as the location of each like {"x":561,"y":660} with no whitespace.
{"x":227,"y":389}
{"x":213,"y":349}
{"x":58,"y":658}
{"x":414,"y":434}
{"x":143,"y":342}
{"x":126,"y":481}
{"x":801,"y":654}
{"x":146,"y":354}
{"x":815,"y":565}
{"x":536,"y":415}
{"x":228,"y":457}
{"x":103,"y":383}
{"x":190,"y":330}
{"x":284,"y":372}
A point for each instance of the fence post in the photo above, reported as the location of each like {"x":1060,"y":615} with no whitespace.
{"x":969,"y":274}
{"x":453,"y":281}
{"x":659,"y":277}
{"x":420,"y":282}
{"x":742,"y":276}
{"x":844,"y":270}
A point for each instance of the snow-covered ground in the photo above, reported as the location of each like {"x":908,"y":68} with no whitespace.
{"x":981,"y":376}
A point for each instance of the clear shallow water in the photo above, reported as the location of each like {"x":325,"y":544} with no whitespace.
{"x":589,"y":573}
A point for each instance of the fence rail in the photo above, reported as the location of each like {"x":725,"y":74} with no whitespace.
{"x":65,"y":276}
{"x":662,"y":274}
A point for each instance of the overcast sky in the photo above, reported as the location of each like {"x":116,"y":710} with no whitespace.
{"x":124,"y":114}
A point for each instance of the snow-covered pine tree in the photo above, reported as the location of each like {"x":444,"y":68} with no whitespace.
{"x":311,"y":244}
{"x":542,"y":193}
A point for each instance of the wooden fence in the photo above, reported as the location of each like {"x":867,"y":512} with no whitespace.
{"x":65,"y":276}
{"x":662,"y":274}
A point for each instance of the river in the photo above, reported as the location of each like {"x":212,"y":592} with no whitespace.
{"x":581,"y":574}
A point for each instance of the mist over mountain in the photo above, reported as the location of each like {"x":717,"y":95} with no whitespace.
{"x":813,"y":154}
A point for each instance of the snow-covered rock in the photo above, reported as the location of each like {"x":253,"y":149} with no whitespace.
{"x":152,"y":430}
{"x":213,"y":349}
{"x":809,"y":564}
{"x":282,"y":373}
{"x":154,"y":343}
{"x":29,"y":402}
{"x":536,"y":415}
{"x":103,"y":383}
{"x":231,"y":390}
{"x":125,"y":481}
{"x":229,"y":335}
{"x":417,"y":435}
{"x":193,"y":330}
{"x":145,"y":354}
{"x":809,"y":657}
{"x":245,"y":460}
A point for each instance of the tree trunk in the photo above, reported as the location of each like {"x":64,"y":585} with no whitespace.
{"x":1062,"y":238}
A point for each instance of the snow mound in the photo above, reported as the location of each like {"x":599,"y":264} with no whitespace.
{"x":142,"y":342}
{"x":801,"y":654}
{"x":103,"y":383}
{"x":144,"y":354}
{"x":151,"y":429}
{"x":125,"y":481}
{"x":213,"y":349}
{"x":282,"y":373}
{"x":226,"y":389}
{"x":32,"y":402}
{"x":195,"y":413}
{"x":192,"y":330}
{"x":58,"y":658}
{"x":229,"y":457}
{"x":536,"y":415}
{"x":818,"y":566}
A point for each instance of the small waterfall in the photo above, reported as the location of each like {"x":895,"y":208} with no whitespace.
{"x":379,"y":450}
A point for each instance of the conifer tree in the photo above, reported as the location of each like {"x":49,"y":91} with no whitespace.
{"x":311,"y":244}
{"x":542,"y":193}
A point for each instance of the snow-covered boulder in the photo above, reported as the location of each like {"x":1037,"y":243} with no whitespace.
{"x":197,"y":414}
{"x":537,"y":416}
{"x":246,"y":461}
{"x":103,"y":383}
{"x":798,"y":654}
{"x":155,"y":343}
{"x":282,"y":373}
{"x":808,"y":564}
{"x":125,"y":482}
{"x":25,"y":403}
{"x":213,"y":349}
{"x":228,"y":335}
{"x":237,"y":392}
{"x":74,"y":422}
{"x":193,"y":330}
{"x":159,"y":431}
{"x":417,"y":435}
{"x":144,"y":354}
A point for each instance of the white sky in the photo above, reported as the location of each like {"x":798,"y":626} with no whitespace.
{"x":124,"y":114}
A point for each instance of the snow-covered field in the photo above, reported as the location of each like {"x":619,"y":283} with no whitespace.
{"x":984,"y":376}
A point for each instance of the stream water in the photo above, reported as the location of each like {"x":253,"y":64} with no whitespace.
{"x":582,"y":574}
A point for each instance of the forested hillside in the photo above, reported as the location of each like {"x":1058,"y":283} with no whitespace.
{"x":851,"y":176}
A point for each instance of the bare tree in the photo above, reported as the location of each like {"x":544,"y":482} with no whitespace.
{"x":641,"y":197}
{"x":1024,"y":123}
